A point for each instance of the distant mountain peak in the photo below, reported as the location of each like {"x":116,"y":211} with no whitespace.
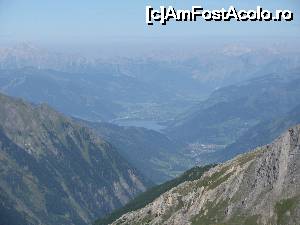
{"x":236,"y":50}
{"x":25,"y":46}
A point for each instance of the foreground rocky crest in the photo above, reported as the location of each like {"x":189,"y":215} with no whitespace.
{"x":260,"y":187}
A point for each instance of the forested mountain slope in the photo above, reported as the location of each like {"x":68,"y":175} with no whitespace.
{"x":54,"y":171}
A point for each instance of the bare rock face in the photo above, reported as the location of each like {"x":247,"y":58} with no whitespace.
{"x":260,"y":187}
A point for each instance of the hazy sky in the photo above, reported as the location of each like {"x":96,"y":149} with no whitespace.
{"x":98,"y":22}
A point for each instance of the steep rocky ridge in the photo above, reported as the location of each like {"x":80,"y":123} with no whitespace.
{"x":151,"y":194}
{"x":259,"y":187}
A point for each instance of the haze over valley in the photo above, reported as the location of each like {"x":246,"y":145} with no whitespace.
{"x":105,"y":119}
{"x":201,"y":103}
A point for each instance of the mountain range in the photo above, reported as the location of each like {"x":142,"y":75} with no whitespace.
{"x":209,"y":133}
{"x":149,"y":87}
{"x":70,"y":165}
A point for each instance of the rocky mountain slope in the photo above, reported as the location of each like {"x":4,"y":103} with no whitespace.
{"x":151,"y":194}
{"x":260,"y":187}
{"x":54,"y":171}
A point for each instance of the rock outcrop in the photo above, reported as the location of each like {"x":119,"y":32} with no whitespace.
{"x":259,"y":187}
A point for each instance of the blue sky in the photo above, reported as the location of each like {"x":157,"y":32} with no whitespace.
{"x":98,"y":22}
